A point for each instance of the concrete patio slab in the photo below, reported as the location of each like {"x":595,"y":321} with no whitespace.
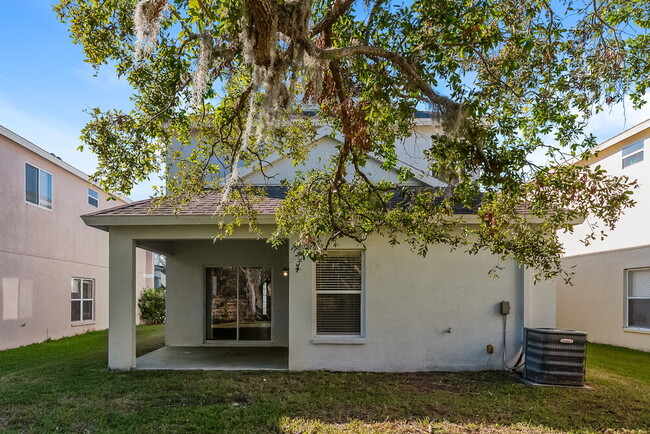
{"x":215,"y":358}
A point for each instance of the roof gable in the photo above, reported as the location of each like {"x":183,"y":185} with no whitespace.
{"x":280,"y":168}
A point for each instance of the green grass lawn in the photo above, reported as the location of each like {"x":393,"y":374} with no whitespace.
{"x":64,"y":386}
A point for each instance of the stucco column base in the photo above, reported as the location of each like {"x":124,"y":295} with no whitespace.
{"x":121,"y":301}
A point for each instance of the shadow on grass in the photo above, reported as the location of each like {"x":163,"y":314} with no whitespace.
{"x":149,"y":338}
{"x":64,"y":385}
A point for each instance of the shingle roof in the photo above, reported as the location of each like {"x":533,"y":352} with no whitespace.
{"x":207,"y":204}
{"x":202,"y":205}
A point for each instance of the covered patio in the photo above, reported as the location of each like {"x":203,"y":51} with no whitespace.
{"x":216,"y":359}
{"x":226,"y":301}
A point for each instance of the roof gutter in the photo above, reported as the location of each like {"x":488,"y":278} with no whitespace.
{"x":104,"y":222}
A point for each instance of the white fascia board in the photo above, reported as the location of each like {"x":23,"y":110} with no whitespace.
{"x":614,"y":140}
{"x":423,"y":121}
{"x":275,"y":157}
{"x":49,"y":157}
{"x":43,"y":153}
{"x":327,"y":131}
{"x":103,"y":222}
{"x":622,"y":136}
{"x":473,"y":219}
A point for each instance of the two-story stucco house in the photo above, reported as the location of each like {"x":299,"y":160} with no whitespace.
{"x":371,"y":307}
{"x":610,"y":298}
{"x":53,"y":268}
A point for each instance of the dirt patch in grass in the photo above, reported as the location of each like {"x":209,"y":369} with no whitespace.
{"x":126,"y":404}
{"x":239,"y":401}
{"x":429,"y":382}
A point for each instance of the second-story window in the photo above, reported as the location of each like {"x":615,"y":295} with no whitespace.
{"x":632,"y":153}
{"x":38,"y":186}
{"x":93,"y":198}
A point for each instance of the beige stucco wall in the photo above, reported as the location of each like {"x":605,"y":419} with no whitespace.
{"x":596,"y":302}
{"x":186,"y":290}
{"x":410,"y":303}
{"x":42,"y":250}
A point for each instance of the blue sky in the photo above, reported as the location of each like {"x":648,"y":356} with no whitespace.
{"x":45,"y":85}
{"x":44,"y":92}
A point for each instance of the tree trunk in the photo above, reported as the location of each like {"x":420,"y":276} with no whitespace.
{"x":252,"y":286}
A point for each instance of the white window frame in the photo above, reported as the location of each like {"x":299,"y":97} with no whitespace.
{"x":91,"y":197}
{"x":627,"y":154}
{"x":81,"y":300}
{"x":627,"y":299}
{"x":38,"y":184}
{"x":341,"y":339}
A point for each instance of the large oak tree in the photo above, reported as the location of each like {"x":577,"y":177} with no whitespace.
{"x":246,"y":79}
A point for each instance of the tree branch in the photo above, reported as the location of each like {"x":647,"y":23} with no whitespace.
{"x":398,"y":60}
{"x":331,"y":16}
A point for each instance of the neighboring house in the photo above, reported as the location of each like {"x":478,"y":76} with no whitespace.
{"x":368,"y":308}
{"x":53,"y":268}
{"x":159,"y":280}
{"x":610,"y":298}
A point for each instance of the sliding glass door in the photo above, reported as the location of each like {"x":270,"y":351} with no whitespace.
{"x":238,"y":303}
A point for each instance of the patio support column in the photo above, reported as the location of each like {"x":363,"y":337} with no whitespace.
{"x":121,"y":300}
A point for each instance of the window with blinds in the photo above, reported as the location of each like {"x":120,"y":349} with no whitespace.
{"x":638,"y":298}
{"x":339,"y":287}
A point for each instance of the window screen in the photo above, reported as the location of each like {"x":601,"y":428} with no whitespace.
{"x":38,"y":186}
{"x":638,"y":298}
{"x":629,"y":149}
{"x":632,"y":153}
{"x":93,"y":198}
{"x":45,"y":189}
{"x":31,"y":184}
{"x":339,"y":286}
{"x":82,"y":298}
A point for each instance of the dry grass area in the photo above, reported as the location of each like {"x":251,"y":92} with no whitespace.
{"x":64,"y":386}
{"x":301,"y":426}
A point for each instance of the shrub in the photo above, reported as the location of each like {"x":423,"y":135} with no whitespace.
{"x":152,"y":305}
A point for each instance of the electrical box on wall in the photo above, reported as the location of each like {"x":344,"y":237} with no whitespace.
{"x":505,"y":307}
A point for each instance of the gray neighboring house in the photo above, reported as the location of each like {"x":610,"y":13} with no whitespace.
{"x":374,"y":307}
{"x":53,"y":268}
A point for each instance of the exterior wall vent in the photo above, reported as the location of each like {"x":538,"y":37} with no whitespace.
{"x":555,"y":357}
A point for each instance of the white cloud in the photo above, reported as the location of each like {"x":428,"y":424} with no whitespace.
{"x":619,"y":118}
{"x":603,"y":126}
{"x":55,"y":136}
{"x":105,"y":78}
{"x":144,"y":190}
{"x":48,"y":133}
